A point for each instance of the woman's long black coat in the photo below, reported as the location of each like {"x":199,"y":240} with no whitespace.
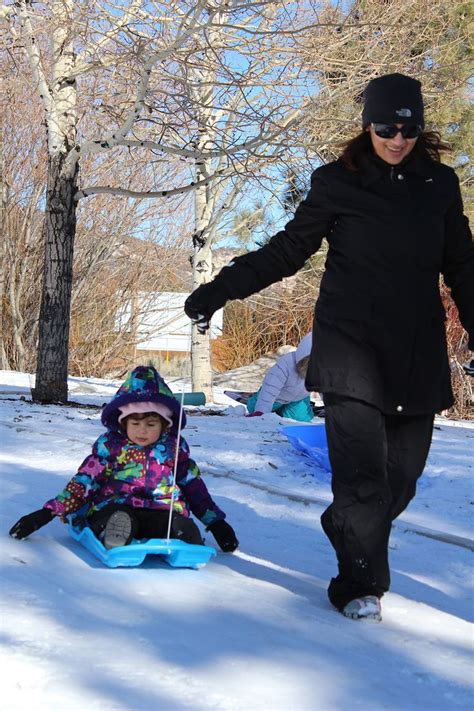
{"x":379,"y":332}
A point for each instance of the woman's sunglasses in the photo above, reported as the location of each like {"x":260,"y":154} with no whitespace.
{"x":390,"y":130}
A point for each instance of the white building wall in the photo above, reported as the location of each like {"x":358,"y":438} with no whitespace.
{"x":163,"y":325}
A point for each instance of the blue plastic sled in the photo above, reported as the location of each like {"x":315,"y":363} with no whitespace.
{"x":311,"y":440}
{"x":176,"y":553}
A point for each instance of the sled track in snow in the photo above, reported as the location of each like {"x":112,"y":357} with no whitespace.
{"x":319,"y":501}
{"x":307,"y":500}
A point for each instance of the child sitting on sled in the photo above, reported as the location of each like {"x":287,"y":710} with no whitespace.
{"x":283,"y":390}
{"x":126,"y":484}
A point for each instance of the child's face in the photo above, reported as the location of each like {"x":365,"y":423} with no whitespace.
{"x":144,"y":429}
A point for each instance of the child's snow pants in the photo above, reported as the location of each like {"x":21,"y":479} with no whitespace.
{"x":149,"y":523}
{"x":299,"y":410}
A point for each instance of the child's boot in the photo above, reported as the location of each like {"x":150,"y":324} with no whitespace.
{"x":118,"y":530}
{"x":364,"y":608}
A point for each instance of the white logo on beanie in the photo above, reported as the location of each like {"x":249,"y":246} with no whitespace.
{"x":403,"y":112}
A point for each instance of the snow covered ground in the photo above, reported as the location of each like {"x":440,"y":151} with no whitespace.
{"x":251,"y":631}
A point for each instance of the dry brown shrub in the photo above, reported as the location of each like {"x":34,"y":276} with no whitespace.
{"x":280,"y":315}
{"x":458,"y":354}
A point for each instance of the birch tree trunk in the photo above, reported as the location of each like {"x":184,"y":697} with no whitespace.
{"x":201,"y":371}
{"x":59,"y":234}
{"x":3,"y":266}
{"x":60,"y":214}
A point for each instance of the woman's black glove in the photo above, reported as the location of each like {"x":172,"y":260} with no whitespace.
{"x":30,"y":523}
{"x":203,"y":303}
{"x":224,"y":535}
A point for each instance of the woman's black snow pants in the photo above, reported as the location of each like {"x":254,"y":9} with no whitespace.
{"x":376,"y":460}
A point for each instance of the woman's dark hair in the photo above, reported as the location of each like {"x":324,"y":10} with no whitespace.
{"x":428,"y":145}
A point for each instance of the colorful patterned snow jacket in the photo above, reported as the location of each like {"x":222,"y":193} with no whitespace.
{"x":121,"y":472}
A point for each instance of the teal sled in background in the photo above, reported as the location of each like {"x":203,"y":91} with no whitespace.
{"x":310,"y":440}
{"x":192,"y":399}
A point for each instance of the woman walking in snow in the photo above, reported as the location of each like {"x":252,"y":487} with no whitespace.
{"x":392,"y":215}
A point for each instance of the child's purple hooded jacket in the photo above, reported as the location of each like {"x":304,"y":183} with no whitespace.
{"x":119,"y":471}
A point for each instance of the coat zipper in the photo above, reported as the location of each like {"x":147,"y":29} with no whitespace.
{"x":147,"y":467}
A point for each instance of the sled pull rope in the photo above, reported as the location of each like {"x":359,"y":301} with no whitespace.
{"x":175,"y":467}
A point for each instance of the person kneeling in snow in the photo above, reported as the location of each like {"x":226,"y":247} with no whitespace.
{"x":126,"y":483}
{"x":283,"y":390}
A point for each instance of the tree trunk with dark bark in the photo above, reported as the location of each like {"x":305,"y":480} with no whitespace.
{"x":59,"y":233}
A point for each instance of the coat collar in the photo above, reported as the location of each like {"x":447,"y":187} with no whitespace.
{"x":372,"y":168}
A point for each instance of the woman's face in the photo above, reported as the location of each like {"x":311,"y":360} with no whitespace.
{"x":392,"y":150}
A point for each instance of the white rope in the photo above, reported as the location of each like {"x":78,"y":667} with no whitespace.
{"x":175,"y":467}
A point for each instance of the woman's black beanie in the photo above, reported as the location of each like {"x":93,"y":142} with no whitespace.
{"x":393,"y":98}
